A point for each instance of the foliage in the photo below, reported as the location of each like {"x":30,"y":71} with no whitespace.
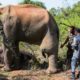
{"x":69,"y":16}
{"x":37,"y":3}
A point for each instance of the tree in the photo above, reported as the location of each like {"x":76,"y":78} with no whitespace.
{"x":37,"y":3}
{"x":53,"y":11}
{"x":69,"y":16}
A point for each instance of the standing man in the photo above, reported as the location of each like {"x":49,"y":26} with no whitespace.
{"x":69,"y":41}
{"x":76,"y":53}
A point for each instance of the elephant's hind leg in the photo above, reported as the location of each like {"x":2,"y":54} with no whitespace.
{"x":49,"y":46}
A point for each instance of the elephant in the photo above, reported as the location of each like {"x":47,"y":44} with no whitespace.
{"x":33,"y":25}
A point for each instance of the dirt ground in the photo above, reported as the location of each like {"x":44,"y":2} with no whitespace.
{"x":34,"y":75}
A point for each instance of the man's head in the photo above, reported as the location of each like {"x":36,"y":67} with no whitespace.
{"x":77,"y":31}
{"x":71,"y":30}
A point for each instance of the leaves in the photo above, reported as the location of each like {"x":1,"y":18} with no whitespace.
{"x":69,"y":16}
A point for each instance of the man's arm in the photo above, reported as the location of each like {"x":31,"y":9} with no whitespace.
{"x":74,"y":44}
{"x":65,"y":42}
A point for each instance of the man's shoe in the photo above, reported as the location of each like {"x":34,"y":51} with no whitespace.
{"x":73,"y":76}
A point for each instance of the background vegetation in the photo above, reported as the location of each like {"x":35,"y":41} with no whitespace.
{"x":69,"y":16}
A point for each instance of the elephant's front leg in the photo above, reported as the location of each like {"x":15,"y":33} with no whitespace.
{"x":11,"y":57}
{"x":7,"y":58}
{"x":16,"y":59}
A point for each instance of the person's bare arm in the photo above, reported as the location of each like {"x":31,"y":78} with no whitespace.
{"x":65,"y":42}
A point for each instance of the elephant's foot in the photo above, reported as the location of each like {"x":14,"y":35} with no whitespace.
{"x":51,"y":71}
{"x":5,"y":68}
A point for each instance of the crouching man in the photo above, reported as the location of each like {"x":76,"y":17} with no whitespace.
{"x":76,"y":53}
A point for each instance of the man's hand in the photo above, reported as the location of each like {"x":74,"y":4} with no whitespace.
{"x":61,"y":46}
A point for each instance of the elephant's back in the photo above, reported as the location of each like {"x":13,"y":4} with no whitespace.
{"x":33,"y":20}
{"x":29,"y":13}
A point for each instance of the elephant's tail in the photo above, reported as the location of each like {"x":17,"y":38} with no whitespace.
{"x":53,"y":25}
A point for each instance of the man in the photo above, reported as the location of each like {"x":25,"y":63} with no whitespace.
{"x":76,"y":53}
{"x":69,"y":41}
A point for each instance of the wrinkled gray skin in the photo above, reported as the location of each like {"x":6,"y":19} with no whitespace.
{"x":34,"y":28}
